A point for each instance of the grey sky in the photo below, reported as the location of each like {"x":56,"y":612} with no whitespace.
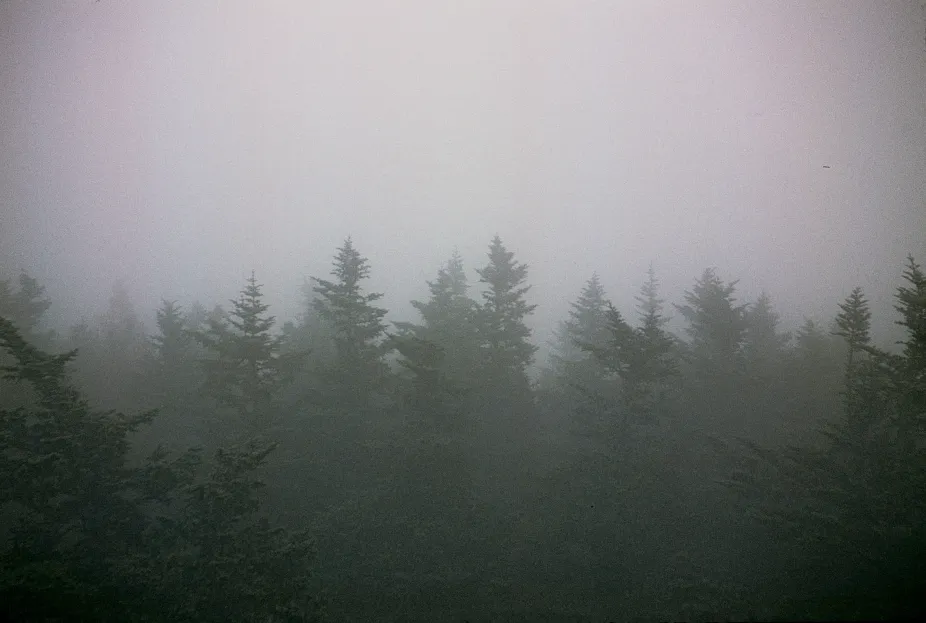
{"x":179,"y":144}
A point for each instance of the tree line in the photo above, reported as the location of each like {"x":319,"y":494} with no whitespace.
{"x":336,"y":467}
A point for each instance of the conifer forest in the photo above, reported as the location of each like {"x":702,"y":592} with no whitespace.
{"x":494,"y":312}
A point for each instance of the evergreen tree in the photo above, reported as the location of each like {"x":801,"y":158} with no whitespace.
{"x":359,"y":372}
{"x":246,"y":370}
{"x":442,"y":349}
{"x":621,"y":359}
{"x":911,"y":303}
{"x":851,"y":514}
{"x":95,"y":538}
{"x":113,"y":350}
{"x":174,"y":374}
{"x":428,"y":390}
{"x":659,"y":347}
{"x":504,"y":337}
{"x":713,"y":356}
{"x":25,"y":306}
{"x":175,"y":353}
{"x":814,"y":379}
{"x":572,"y":368}
{"x":716,"y":326}
{"x":763,"y":345}
{"x":853,"y":324}
{"x":641,"y":358}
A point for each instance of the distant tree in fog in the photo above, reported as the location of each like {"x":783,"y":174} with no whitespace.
{"x":245,"y":369}
{"x":359,"y":371}
{"x":716,"y":326}
{"x":503,"y":334}
{"x":572,"y":368}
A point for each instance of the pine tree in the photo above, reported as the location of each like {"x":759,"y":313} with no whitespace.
{"x":93,"y":537}
{"x":716,"y":327}
{"x":659,"y":347}
{"x":503,"y":335}
{"x":174,"y":372}
{"x":763,"y":345}
{"x":909,"y":372}
{"x":443,"y":349}
{"x":572,"y":367}
{"x":911,"y":303}
{"x":851,"y":513}
{"x":814,"y":377}
{"x":25,"y":307}
{"x":853,"y":324}
{"x":246,"y":370}
{"x":359,"y":373}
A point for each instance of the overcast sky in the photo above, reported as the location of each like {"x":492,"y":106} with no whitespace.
{"x":177,"y":145}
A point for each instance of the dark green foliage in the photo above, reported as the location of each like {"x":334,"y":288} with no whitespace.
{"x":174,"y":365}
{"x":246,"y":369}
{"x":440,"y":356}
{"x":659,"y":349}
{"x":573,"y":371}
{"x":112,"y":352}
{"x":716,"y":326}
{"x":25,"y":306}
{"x":449,"y":320}
{"x":853,"y":324}
{"x":503,"y":335}
{"x":849,"y":516}
{"x":763,"y":345}
{"x":642,"y":359}
{"x":358,"y":372}
{"x":94,"y":538}
{"x":428,"y":390}
{"x":911,"y":303}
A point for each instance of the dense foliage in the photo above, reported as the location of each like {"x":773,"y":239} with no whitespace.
{"x":416,"y":472}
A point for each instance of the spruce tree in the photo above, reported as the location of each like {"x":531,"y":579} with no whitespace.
{"x":763,"y":345}
{"x":359,"y":372}
{"x":572,"y":367}
{"x":504,"y":337}
{"x":659,"y":347}
{"x":853,"y":324}
{"x":25,"y":306}
{"x":716,"y":327}
{"x":94,"y":537}
{"x":911,"y":303}
{"x":443,"y":349}
{"x":246,"y":370}
{"x":174,"y":372}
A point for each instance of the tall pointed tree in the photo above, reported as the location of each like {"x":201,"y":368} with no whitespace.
{"x":763,"y":345}
{"x":245,"y":369}
{"x":572,"y":367}
{"x":659,"y":347}
{"x":504,"y":336}
{"x":911,"y":303}
{"x":359,"y":373}
{"x":175,"y":373}
{"x":853,"y":324}
{"x":25,"y":306}
{"x":716,"y":325}
{"x":641,"y":357}
{"x":443,"y":349}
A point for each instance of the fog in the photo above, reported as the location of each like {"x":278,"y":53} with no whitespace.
{"x":462,"y":457}
{"x":177,"y":146}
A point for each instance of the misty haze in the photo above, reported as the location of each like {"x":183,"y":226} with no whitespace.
{"x":462,"y":311}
